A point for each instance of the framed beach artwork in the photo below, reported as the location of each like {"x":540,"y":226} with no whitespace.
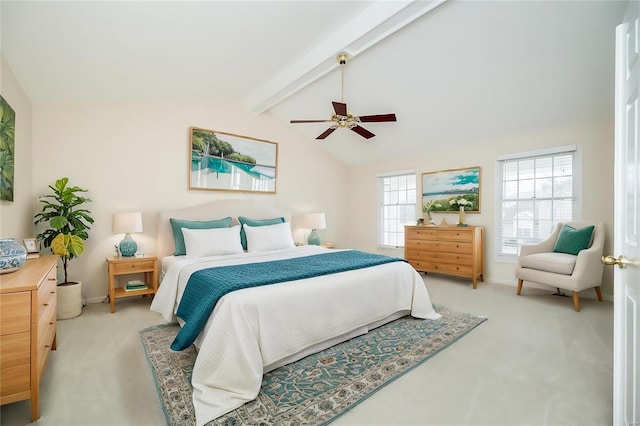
{"x":7,"y":149}
{"x":222,"y":161}
{"x":448,"y":190}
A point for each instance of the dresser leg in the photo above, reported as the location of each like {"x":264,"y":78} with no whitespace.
{"x":35,"y":411}
{"x":54,"y":344}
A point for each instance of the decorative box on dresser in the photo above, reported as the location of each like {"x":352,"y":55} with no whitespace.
{"x":27,"y":329}
{"x":450,"y":250}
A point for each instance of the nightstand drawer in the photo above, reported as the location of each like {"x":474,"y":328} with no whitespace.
{"x":133,"y":267}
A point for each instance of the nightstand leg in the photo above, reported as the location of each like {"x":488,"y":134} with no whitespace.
{"x":112,"y":299}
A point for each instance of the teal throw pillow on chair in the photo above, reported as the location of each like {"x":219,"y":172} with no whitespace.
{"x":255,"y":222}
{"x":177,"y":225}
{"x":571,"y":240}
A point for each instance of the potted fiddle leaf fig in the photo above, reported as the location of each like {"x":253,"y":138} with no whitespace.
{"x":68,"y":222}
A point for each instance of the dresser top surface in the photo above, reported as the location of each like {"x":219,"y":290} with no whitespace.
{"x":28,"y":276}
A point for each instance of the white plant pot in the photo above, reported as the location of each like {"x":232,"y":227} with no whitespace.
{"x":69,"y":300}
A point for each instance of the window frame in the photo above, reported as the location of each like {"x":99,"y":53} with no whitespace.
{"x":380,"y":231}
{"x":577,"y":179}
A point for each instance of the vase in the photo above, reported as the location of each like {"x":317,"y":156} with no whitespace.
{"x":461,"y":217}
{"x":12,"y":255}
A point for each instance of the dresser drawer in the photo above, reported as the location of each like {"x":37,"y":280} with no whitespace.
{"x":450,"y":235}
{"x":133,"y":267}
{"x":15,"y":312}
{"x":444,"y":257}
{"x":15,"y":350}
{"x":47,"y":321}
{"x":425,"y":233}
{"x":443,"y":268}
{"x":15,"y":380}
{"x":453,"y":247}
{"x":47,"y":294}
{"x":440,"y":246}
{"x":46,"y":334}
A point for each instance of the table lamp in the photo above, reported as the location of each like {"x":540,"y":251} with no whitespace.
{"x":126,"y":223}
{"x":314,"y":221}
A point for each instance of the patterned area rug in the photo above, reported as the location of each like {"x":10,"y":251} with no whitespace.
{"x":318,"y":388}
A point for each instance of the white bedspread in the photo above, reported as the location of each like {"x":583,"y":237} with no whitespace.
{"x":254,"y":330}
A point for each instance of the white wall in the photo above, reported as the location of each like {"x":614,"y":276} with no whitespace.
{"x":135,"y":157}
{"x":595,"y":138}
{"x":16,"y":216}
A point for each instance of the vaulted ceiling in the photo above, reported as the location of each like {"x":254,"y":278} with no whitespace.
{"x":454,"y":72}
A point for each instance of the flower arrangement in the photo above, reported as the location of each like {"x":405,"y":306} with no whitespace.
{"x":460,"y":202}
{"x":429,"y":206}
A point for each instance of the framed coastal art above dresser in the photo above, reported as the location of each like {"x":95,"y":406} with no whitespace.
{"x":220,"y":161}
{"x":447,"y":190}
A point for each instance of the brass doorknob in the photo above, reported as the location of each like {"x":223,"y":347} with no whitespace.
{"x":620,"y":261}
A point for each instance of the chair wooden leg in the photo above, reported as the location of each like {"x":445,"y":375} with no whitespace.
{"x":599,"y":293}
{"x":519,"y":287}
{"x":576,"y":301}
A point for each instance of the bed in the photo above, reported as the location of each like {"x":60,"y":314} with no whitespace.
{"x":254,"y":330}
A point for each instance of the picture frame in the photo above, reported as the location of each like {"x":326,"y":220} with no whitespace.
{"x":221,"y":161}
{"x":7,"y":149}
{"x":31,"y":245}
{"x":445,"y":191}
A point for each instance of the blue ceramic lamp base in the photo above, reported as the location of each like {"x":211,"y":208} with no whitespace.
{"x":128,"y":247}
{"x":314,"y":238}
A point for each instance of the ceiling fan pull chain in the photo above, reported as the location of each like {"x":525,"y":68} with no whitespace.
{"x":342,"y":90}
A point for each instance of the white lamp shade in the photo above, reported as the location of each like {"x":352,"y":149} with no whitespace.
{"x":124,"y":223}
{"x":315,"y":221}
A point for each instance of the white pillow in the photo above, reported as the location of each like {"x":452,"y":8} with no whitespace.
{"x":212,"y":242}
{"x":268,"y":237}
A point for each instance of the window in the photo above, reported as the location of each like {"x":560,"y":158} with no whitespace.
{"x":396,"y":207}
{"x":536,"y":191}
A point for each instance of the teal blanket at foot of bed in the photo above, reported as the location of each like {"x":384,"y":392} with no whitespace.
{"x":207,"y":286}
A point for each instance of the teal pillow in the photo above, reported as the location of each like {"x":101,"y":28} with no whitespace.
{"x":177,"y":225}
{"x":255,"y":222}
{"x":571,"y":240}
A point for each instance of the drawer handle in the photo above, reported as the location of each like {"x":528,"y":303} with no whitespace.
{"x":51,"y":323}
{"x":51,"y":279}
{"x":45,"y":304}
{"x":53,"y":292}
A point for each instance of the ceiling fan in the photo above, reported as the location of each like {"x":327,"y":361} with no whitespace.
{"x":344,"y":118}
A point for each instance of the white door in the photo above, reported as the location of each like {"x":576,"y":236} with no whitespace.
{"x":626,"y":368}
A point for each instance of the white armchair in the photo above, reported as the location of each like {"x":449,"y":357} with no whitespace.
{"x":538,"y":263}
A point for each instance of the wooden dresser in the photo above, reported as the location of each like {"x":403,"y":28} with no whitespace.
{"x":450,"y":250}
{"x":27,"y":329}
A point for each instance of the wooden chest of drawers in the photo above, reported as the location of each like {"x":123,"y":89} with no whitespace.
{"x":27,"y":329}
{"x":449,"y":250}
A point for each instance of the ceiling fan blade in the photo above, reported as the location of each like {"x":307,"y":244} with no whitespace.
{"x":377,"y":118}
{"x":326,"y":133}
{"x":362,"y":132}
{"x":340,"y":108}
{"x":309,"y":121}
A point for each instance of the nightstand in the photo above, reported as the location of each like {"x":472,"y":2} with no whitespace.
{"x":132,"y":265}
